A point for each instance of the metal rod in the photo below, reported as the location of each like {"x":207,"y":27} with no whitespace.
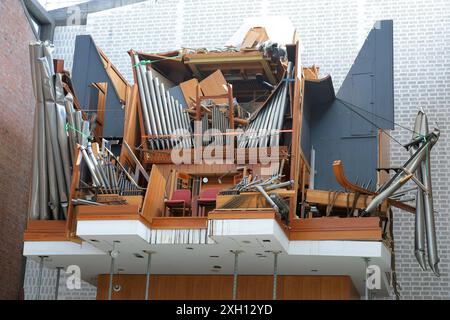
{"x":366,"y":289}
{"x":275,"y":273}
{"x":266,"y":196}
{"x":39,"y":284}
{"x":147,"y":279}
{"x":113,"y":253}
{"x":235,"y":272}
{"x":58,"y":275}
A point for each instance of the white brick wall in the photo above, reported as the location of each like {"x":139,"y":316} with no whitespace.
{"x":332,"y":33}
{"x":87,"y":291}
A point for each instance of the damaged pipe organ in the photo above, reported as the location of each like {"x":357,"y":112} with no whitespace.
{"x":258,"y":98}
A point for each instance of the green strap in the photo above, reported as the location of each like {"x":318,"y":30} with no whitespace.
{"x":68,"y":126}
{"x":144,"y":62}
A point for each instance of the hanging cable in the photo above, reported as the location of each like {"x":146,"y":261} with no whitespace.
{"x":347,"y":105}
{"x":378,"y":116}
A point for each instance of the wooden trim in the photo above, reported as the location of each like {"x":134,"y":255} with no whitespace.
{"x":46,"y":230}
{"x":111,"y":212}
{"x":32,"y":236}
{"x":71,"y":223}
{"x":179,"y":223}
{"x":219,"y":214}
{"x":296,"y":158}
{"x":332,"y":228}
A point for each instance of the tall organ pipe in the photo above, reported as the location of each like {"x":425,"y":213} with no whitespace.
{"x":156,"y":104}
{"x":419,"y":232}
{"x":142,"y":95}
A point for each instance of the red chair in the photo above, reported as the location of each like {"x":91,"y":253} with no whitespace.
{"x":181,"y":199}
{"x":206,"y":199}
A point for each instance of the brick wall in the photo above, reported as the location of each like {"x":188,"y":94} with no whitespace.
{"x":48,"y":286}
{"x":16,"y":124}
{"x":332,"y":33}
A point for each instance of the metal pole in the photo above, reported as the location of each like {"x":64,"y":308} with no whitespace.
{"x":114,"y":254}
{"x":235,"y":274}
{"x":275,"y":273}
{"x":41,"y":267}
{"x":147,"y":280}
{"x":366,"y":289}
{"x":58,"y":274}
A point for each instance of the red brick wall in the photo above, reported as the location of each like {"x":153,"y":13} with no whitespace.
{"x":16,"y":123}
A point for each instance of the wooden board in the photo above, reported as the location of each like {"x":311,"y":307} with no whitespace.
{"x":332,"y":228}
{"x":154,"y":198}
{"x":215,"y":85}
{"x":179,"y":223}
{"x":189,"y":90}
{"x":253,"y":37}
{"x":220,"y":287}
{"x":46,"y":230}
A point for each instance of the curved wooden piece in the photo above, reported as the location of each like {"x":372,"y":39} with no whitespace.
{"x":338,"y":170}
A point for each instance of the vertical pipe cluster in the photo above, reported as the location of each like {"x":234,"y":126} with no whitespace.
{"x":418,"y":169}
{"x":163,"y":115}
{"x":57,"y":130}
{"x":108,"y":177}
{"x":424,"y":219}
{"x":220,"y":123}
{"x":264,"y":130}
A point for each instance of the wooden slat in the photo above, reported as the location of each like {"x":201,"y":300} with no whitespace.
{"x":296,"y":160}
{"x":46,"y":230}
{"x":130,"y":123}
{"x":154,"y":198}
{"x":71,"y":222}
{"x":215,"y":85}
{"x":189,"y":90}
{"x":179,"y":223}
{"x":332,"y":228}
{"x":247,"y":214}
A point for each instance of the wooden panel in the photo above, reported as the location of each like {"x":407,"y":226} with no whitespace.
{"x":189,"y":89}
{"x":124,"y":209}
{"x":240,"y":214}
{"x":254,"y":36}
{"x":155,"y":194}
{"x":297,"y":109}
{"x":71,"y":222}
{"x":119,"y":82}
{"x":45,"y":230}
{"x":214,"y":85}
{"x":130,"y":123}
{"x":384,"y":160}
{"x":332,"y":228}
{"x":219,"y":287}
{"x":102,"y":88}
{"x":179,"y":223}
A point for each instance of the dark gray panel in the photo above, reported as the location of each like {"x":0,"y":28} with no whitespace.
{"x":375,"y":60}
{"x":88,"y":68}
{"x":177,"y":94}
{"x":336,"y":132}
